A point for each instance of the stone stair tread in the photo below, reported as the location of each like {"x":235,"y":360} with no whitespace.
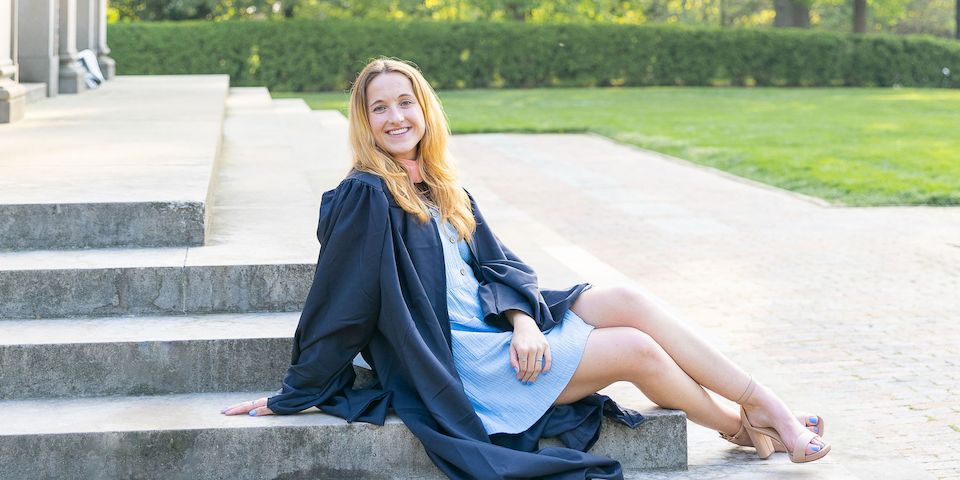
{"x":155,"y":425}
{"x":331,"y":116}
{"x":114,"y":158}
{"x":291,"y":105}
{"x":148,"y":328}
{"x":251,"y":97}
{"x":162,"y":412}
{"x":239,"y":253}
{"x":93,"y":258}
{"x":152,"y":412}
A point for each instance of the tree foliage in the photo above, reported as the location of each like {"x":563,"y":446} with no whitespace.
{"x":154,"y":10}
{"x":933,"y":17}
{"x":318,"y":55}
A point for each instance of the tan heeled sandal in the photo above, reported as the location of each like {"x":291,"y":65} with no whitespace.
{"x":741,"y":438}
{"x":763,"y":437}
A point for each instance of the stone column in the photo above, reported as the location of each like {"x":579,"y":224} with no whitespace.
{"x":71,"y":76}
{"x":107,"y":66}
{"x":87,"y":25}
{"x":12,"y":100}
{"x":37,"y":33}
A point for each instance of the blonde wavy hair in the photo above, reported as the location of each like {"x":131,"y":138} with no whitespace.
{"x":437,"y":167}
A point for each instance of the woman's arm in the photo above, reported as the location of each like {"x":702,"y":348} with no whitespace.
{"x":342,"y":309}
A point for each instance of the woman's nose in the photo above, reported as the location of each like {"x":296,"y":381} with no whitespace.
{"x":395,"y":116}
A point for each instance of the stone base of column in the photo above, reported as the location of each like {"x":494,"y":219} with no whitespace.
{"x":40,"y":70}
{"x":108,"y":67}
{"x":35,"y":92}
{"x":71,"y":78}
{"x":13,"y":101}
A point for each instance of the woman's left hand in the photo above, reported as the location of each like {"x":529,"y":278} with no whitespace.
{"x":529,"y":349}
{"x":253,"y":407}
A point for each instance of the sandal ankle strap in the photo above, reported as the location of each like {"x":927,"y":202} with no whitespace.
{"x":747,"y":392}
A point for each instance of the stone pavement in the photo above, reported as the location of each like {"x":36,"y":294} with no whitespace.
{"x":848,"y":312}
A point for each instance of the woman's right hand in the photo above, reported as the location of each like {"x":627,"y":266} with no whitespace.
{"x":529,"y":348}
{"x":253,"y":407}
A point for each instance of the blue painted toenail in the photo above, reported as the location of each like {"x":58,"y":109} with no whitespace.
{"x":816,"y":430}
{"x":813,"y":420}
{"x":253,"y":413}
{"x":815,"y":449}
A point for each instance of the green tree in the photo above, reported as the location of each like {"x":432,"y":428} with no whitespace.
{"x":792,"y":13}
{"x":860,"y":16}
{"x":156,"y":10}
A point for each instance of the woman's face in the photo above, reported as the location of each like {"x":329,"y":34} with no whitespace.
{"x":396,"y":118}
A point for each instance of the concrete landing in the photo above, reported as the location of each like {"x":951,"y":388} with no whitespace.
{"x":185,"y":437}
{"x":127,"y":164}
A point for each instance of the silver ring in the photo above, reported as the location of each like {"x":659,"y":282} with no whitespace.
{"x":538,"y":360}
{"x":523,"y":359}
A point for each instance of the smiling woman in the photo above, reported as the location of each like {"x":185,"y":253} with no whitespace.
{"x":461,"y":336}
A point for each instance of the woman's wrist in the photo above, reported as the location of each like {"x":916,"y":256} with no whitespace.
{"x":519,"y":318}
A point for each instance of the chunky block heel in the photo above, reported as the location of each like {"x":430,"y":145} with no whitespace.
{"x":761,"y":442}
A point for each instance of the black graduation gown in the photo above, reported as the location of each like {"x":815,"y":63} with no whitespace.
{"x":380,"y":289}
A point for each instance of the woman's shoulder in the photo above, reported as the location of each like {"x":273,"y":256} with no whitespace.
{"x":359,"y":201}
{"x":367,"y":178}
{"x":356,"y":184}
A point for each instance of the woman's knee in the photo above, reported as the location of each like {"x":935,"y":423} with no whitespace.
{"x":629,"y":299}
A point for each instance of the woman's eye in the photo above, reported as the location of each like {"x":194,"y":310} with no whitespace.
{"x":406,"y":102}
{"x":379,"y":108}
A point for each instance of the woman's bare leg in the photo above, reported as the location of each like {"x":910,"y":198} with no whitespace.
{"x":700,"y":363}
{"x":622,"y":353}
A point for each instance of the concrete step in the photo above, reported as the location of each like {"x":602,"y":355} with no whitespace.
{"x":186,"y":437}
{"x":146,"y":355}
{"x":146,"y":282}
{"x":321,"y":147}
{"x":129,"y":164}
{"x":261,"y":246}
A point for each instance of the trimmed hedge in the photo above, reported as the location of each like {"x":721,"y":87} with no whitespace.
{"x":311,"y":55}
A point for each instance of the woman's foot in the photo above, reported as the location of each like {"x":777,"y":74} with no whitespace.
{"x":764,"y":409}
{"x":813,"y":423}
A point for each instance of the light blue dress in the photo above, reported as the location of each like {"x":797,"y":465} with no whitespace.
{"x":482,"y":353}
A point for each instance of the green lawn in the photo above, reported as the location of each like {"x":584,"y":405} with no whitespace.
{"x":846,"y":145}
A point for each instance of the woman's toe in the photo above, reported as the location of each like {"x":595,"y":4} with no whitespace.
{"x":815,"y":445}
{"x":812,"y":422}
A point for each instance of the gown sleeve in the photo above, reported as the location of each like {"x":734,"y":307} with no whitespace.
{"x":507,"y":283}
{"x":342,"y":309}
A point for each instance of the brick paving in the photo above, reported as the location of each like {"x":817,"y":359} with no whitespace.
{"x":850,"y":311}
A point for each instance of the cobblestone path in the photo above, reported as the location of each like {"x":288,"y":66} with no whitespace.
{"x":854,"y":312}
